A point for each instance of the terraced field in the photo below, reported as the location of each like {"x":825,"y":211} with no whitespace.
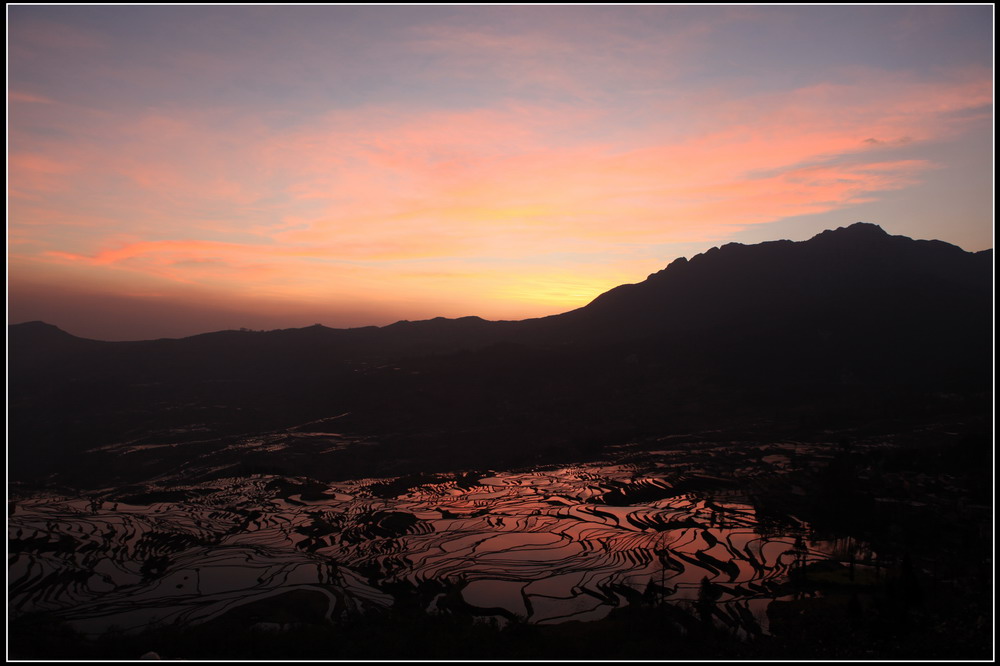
{"x":542,"y":546}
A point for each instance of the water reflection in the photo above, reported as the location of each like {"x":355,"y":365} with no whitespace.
{"x":543,"y":546}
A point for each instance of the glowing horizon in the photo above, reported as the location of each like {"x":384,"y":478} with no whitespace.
{"x":173,"y":170}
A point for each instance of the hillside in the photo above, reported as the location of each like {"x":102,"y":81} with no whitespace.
{"x":851,"y":325}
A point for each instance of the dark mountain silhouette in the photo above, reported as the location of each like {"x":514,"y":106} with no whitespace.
{"x":834,"y":277}
{"x":851,"y":325}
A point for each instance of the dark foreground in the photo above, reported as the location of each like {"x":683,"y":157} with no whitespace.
{"x":851,"y":544}
{"x":811,"y":629}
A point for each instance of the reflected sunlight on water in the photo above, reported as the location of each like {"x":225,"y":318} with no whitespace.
{"x":542,"y":546}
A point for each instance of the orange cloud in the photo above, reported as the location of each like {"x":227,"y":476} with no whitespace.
{"x":349,"y":204}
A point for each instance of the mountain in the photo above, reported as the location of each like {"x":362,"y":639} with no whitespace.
{"x":855,"y":301}
{"x":851,"y":324}
{"x":838,"y":275}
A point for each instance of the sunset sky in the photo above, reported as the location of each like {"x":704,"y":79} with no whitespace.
{"x":180,"y":169}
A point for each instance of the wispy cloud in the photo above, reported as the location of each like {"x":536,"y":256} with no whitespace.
{"x":595,"y":142}
{"x":27,"y":98}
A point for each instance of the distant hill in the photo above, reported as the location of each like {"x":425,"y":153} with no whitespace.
{"x":833,"y":278}
{"x":850,"y":321}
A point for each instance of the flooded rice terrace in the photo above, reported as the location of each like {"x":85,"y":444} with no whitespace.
{"x":542,"y":546}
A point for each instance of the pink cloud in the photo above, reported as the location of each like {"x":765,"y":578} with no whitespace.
{"x":32,"y":176}
{"x":216,"y":200}
{"x":34,"y":163}
{"x":27,"y":98}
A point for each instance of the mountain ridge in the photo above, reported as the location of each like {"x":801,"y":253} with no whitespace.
{"x":839,"y":239}
{"x":850,"y":326}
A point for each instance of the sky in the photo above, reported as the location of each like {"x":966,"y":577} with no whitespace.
{"x":174,"y":170}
